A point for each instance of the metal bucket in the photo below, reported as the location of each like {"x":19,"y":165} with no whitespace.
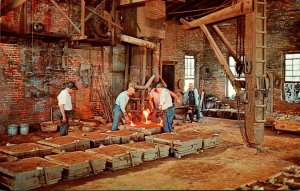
{"x":12,"y":129}
{"x":24,"y":128}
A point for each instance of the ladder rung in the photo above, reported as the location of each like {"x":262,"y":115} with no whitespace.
{"x":259,"y":17}
{"x":261,"y":46}
{"x":260,"y":120}
{"x":261,"y":32}
{"x":261,"y":106}
{"x":261,"y":61}
{"x":261,"y":3}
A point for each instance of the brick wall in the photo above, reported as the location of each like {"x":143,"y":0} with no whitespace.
{"x":283,"y":37}
{"x":17,"y":107}
{"x":29,"y":78}
{"x":179,"y":42}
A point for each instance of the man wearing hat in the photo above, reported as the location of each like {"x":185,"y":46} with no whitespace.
{"x":65,"y":107}
{"x":119,"y":108}
{"x":166,"y":106}
{"x":154,"y":99}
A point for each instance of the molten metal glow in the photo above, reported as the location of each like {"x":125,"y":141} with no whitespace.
{"x":146,"y":113}
{"x":161,"y":121}
{"x":131,"y":124}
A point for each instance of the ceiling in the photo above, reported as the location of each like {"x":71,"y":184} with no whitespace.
{"x":194,"y":9}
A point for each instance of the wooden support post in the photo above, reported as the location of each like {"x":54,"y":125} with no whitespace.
{"x":82,"y":17}
{"x":144,"y":69}
{"x":127,"y":61}
{"x":65,"y":15}
{"x":102,"y":17}
{"x":11,"y":6}
{"x":226,"y":43}
{"x":221,"y":58}
{"x":255,"y":49}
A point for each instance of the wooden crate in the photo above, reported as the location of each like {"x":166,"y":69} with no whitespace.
{"x":118,"y":157}
{"x":29,"y":173}
{"x":287,"y":125}
{"x":78,"y":164}
{"x":180,"y":145}
{"x":151,"y":151}
{"x":67,"y":143}
{"x":26,"y":150}
{"x":96,"y":138}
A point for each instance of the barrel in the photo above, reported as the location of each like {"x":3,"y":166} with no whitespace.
{"x":24,"y":128}
{"x":12,"y":129}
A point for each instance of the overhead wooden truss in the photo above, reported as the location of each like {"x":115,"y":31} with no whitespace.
{"x":255,"y":55}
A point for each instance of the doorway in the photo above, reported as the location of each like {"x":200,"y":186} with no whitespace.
{"x":168,"y":74}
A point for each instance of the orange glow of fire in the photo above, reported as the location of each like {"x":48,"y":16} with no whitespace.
{"x":132,"y":124}
{"x":146,"y":113}
{"x":161,"y":121}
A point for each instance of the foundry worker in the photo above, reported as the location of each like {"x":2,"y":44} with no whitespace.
{"x":65,"y":107}
{"x":154,"y":98}
{"x":166,"y":106}
{"x":119,"y":108}
{"x":191,"y":98}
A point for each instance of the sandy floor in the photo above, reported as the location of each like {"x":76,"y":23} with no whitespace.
{"x":227,"y":166}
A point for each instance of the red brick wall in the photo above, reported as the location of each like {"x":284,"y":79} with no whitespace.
{"x":283,"y":37}
{"x":17,"y":52}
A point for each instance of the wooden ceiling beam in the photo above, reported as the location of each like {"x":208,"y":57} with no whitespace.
{"x":11,"y":6}
{"x":241,"y":8}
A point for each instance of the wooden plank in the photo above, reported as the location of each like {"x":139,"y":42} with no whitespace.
{"x":221,"y":58}
{"x":65,"y":15}
{"x":226,"y":42}
{"x":288,"y":125}
{"x":82,"y":23}
{"x":131,"y":2}
{"x":11,"y":6}
{"x":241,"y":8}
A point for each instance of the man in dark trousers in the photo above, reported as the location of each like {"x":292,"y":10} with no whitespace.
{"x":166,"y":105}
{"x":120,"y":105}
{"x":191,"y":98}
{"x":65,"y":107}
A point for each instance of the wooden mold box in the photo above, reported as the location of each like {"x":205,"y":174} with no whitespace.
{"x":67,"y":143}
{"x":26,"y":150}
{"x":124,"y":136}
{"x":262,"y":185}
{"x":209,"y":140}
{"x":29,"y":173}
{"x":96,"y":138}
{"x":147,"y":129}
{"x":78,"y":164}
{"x":151,"y":151}
{"x":181,"y":145}
{"x":288,"y":125}
{"x":118,"y":157}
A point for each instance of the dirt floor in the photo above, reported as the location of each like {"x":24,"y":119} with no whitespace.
{"x":228,"y":165}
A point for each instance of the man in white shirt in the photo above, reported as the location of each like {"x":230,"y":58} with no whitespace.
{"x":119,"y":108}
{"x":166,"y":106}
{"x":154,"y":99}
{"x":65,"y":107}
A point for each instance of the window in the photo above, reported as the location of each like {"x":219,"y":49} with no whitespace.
{"x":230,"y":92}
{"x":292,"y":78}
{"x":189,"y":69}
